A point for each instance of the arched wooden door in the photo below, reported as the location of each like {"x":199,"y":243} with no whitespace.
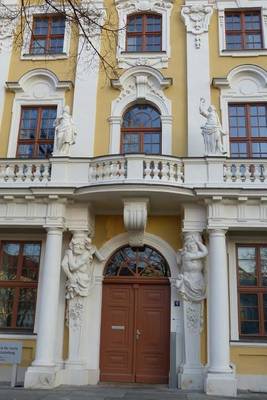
{"x":135,"y":329}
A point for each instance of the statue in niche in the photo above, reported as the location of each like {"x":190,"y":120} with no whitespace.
{"x":212,"y":131}
{"x":65,"y":132}
{"x":190,"y":282}
{"x":77,"y":265}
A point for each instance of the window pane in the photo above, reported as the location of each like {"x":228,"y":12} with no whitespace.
{"x":249,"y":314}
{"x":9,"y":261}
{"x":134,"y":24}
{"x":131,"y":143}
{"x":265,"y":312}
{"x":38,"y":46}
{"x":247,"y":266}
{"x":152,"y":143}
{"x":134,"y":43}
{"x":47,"y":123}
{"x":253,"y":41}
{"x":153,"y":43}
{"x":45,"y":150}
{"x":259,"y":149}
{"x":232,"y":22}
{"x":56,"y":45}
{"x":26,"y":308}
{"x":40,"y":26}
{"x":153,"y":23}
{"x":58,"y":26}
{"x":233,"y":42}
{"x":30,"y":266}
{"x":263,"y":262}
{"x":252,"y":21}
{"x":25,"y":151}
{"x":141,"y":116}
{"x":238,"y":150}
{"x":6,"y":304}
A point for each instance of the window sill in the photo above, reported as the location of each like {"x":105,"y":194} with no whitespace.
{"x":243,"y":53}
{"x":19,"y":336}
{"x":152,"y":59}
{"x":42,"y":57}
{"x":243,"y":343}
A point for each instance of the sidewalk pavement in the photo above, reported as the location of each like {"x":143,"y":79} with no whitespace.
{"x":115,"y":392}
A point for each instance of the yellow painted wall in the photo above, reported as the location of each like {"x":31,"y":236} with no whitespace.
{"x":166,"y":227}
{"x":249,"y":360}
{"x":176,"y":93}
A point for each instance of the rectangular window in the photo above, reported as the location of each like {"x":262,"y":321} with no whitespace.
{"x":248,"y":130}
{"x":252,"y":289}
{"x":36,"y":132}
{"x":243,"y":30}
{"x":143,"y":33}
{"x":19,"y":270}
{"x":47,"y":34}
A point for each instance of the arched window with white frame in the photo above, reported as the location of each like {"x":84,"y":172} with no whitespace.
{"x":141,"y":130}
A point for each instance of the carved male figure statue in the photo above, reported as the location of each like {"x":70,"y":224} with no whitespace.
{"x":190,"y":282}
{"x":65,"y":132}
{"x":212,"y":131}
{"x":77,"y":265}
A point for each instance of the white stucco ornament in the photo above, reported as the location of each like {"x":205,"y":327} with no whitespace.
{"x":197,"y":18}
{"x":212,"y":131}
{"x":190,"y":282}
{"x":65,"y":133}
{"x":77,"y":265}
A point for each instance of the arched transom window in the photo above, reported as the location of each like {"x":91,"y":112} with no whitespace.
{"x":143,"y":33}
{"x":141,"y":130}
{"x":137,"y":262}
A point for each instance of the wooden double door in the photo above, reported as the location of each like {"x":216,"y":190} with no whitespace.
{"x":135,"y":332}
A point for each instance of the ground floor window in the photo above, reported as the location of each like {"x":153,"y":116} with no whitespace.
{"x":19,"y":270}
{"x":252,"y":289}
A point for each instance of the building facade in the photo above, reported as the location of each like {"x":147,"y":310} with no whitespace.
{"x":103,"y":180}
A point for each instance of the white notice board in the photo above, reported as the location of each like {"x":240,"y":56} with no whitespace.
{"x":10,"y":352}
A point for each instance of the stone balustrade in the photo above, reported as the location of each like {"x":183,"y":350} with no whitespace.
{"x":245,"y":171}
{"x":134,"y":168}
{"x":27,"y":172}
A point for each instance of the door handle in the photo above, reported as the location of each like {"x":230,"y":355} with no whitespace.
{"x":138,"y":333}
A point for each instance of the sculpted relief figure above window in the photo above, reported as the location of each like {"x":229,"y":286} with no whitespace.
{"x":144,"y":33}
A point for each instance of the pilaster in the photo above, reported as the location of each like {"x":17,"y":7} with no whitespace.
{"x":196,"y":16}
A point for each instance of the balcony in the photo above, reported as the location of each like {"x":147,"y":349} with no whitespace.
{"x":134,"y":169}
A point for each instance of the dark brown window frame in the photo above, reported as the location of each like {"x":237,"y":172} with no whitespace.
{"x":141,"y":132}
{"x":144,"y":34}
{"x":243,"y":30}
{"x":249,"y":139}
{"x":48,"y":36}
{"x":18,"y":284}
{"x":37,"y":140}
{"x":258,"y":290}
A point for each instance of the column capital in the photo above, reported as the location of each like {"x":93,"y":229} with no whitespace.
{"x":197,"y":17}
{"x":56,"y":230}
{"x":217,"y":231}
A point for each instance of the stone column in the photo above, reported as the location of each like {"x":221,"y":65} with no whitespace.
{"x":42,"y":372}
{"x":220,"y":379}
{"x":192,"y":291}
{"x":196,"y":15}
{"x":77,"y":264}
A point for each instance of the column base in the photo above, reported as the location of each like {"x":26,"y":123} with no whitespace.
{"x":43,"y":377}
{"x":191,"y":378}
{"x":220,"y":384}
